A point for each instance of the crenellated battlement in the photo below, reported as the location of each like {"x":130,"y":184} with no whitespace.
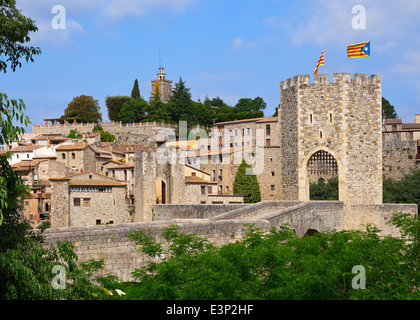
{"x":338,"y":78}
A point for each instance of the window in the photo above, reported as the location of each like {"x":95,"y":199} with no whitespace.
{"x":73,"y":155}
{"x":27,"y":155}
{"x":203,"y":190}
{"x":193,"y":174}
{"x":209,"y":189}
{"x":273,"y":173}
{"x":76,"y":202}
{"x":267,"y":142}
{"x":267,"y":130}
{"x":63,"y":156}
{"x":98,"y":221}
{"x":86,"y":202}
{"x":17,"y":156}
{"x":271,"y":159}
{"x":330,"y":117}
{"x":273,"y":187}
{"x":310,"y":118}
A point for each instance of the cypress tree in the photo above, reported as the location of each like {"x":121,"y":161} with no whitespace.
{"x":135,"y":93}
{"x":247,"y":184}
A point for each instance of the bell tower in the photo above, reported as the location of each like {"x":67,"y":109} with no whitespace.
{"x":163,"y":85}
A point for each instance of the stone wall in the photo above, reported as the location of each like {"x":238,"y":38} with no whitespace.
{"x":133,"y":133}
{"x":112,"y":243}
{"x":378,"y":215}
{"x":190,"y":211}
{"x":399,"y":158}
{"x":120,"y":253}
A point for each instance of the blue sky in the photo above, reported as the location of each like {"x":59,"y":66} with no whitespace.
{"x":228,"y":48}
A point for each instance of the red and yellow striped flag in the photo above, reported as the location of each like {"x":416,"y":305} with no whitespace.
{"x":320,"y":63}
{"x":359,"y":50}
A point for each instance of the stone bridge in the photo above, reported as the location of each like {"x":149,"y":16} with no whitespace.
{"x":110,"y":242}
{"x":220,"y":224}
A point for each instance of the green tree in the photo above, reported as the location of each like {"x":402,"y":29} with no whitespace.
{"x":406,"y":190}
{"x":324,"y":191}
{"x":86,"y":108}
{"x":114,"y":105}
{"x":135,"y":92}
{"x":106,"y":136}
{"x":202,"y":114}
{"x":25,"y":264}
{"x":156,"y":110}
{"x":278,"y":265}
{"x":74,"y":134}
{"x":133,"y":110}
{"x":250,"y":105}
{"x":180,"y":105}
{"x":388,"y":110}
{"x":15,"y":29}
{"x":246,"y":183}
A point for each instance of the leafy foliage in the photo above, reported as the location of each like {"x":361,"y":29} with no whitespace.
{"x":132,"y":110}
{"x":114,"y":105}
{"x":324,"y":191}
{"x":86,"y":108}
{"x":388,"y":109}
{"x":74,"y":134}
{"x":246,"y":183}
{"x":25,"y":264}
{"x":14,"y":33}
{"x":279,"y":265}
{"x":135,"y":92}
{"x":406,"y":190}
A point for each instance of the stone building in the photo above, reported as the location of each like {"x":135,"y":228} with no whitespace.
{"x":401,"y":147}
{"x":256,"y":141}
{"x":78,"y":157}
{"x":162,"y":85}
{"x":36,"y":174}
{"x":87,"y":199}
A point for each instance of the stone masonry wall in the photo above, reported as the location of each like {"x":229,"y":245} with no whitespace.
{"x":399,"y":158}
{"x":191,"y":211}
{"x":134,"y":133}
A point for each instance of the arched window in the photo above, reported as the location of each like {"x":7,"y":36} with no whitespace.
{"x":73,"y":155}
{"x":63,"y":156}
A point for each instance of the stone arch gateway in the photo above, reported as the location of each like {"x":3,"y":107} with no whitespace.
{"x":343,"y":118}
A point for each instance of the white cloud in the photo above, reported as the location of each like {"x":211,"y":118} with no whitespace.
{"x":100,"y":10}
{"x":238,"y":43}
{"x":331,"y":21}
{"x":410,"y":64}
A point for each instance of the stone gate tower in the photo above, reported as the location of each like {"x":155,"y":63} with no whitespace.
{"x":329,"y":129}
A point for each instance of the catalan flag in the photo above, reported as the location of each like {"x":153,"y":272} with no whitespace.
{"x":359,"y":50}
{"x":320,"y":63}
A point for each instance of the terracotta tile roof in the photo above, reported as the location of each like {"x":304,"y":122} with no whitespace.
{"x":190,"y":179}
{"x":406,"y":126}
{"x":27,"y":148}
{"x":78,"y":146}
{"x":22,"y":164}
{"x":96,"y":182}
{"x":122,"y":166}
{"x":393,"y":121}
